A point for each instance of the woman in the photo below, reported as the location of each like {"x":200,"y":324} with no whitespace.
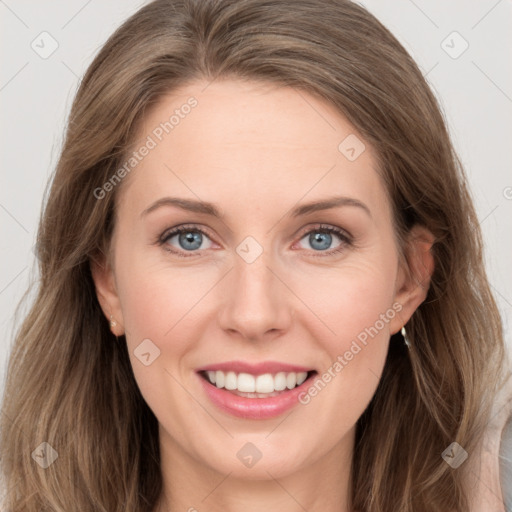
{"x":196,"y":343}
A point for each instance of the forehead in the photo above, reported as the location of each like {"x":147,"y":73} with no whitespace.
{"x":250,"y":143}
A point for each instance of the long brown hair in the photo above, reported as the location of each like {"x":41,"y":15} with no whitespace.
{"x":70,"y":384}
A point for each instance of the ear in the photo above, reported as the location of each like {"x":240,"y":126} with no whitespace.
{"x":106,"y":291}
{"x":414,"y":275}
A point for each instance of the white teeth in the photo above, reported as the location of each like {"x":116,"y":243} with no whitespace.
{"x":219,"y":379}
{"x":265,"y":383}
{"x":301,"y":377}
{"x":246,"y":383}
{"x":230,"y":381}
{"x":291,"y":380}
{"x":280,"y":381}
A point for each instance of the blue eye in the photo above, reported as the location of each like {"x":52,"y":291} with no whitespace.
{"x":190,"y":239}
{"x":321,"y":237}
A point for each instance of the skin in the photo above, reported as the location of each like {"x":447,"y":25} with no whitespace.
{"x":256,"y":151}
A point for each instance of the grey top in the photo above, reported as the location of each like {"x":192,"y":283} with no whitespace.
{"x":506,"y":464}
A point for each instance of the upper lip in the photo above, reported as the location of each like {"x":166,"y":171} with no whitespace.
{"x":254,"y":368}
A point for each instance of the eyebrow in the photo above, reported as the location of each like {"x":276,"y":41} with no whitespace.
{"x":206,"y":208}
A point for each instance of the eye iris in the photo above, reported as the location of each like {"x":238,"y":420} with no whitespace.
{"x":190,"y":237}
{"x":191,"y":240}
{"x":320,"y":237}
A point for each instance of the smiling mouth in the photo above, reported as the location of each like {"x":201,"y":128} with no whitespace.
{"x":265,"y":385}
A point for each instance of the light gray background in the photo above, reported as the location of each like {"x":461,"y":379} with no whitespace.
{"x":475,"y":91}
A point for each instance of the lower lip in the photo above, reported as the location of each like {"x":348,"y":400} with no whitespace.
{"x":253,"y":408}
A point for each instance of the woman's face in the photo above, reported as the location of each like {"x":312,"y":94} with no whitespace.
{"x":259,"y":294}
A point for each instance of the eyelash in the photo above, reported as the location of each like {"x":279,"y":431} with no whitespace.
{"x":346,"y":239}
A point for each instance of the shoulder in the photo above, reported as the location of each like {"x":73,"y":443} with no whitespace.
{"x":506,"y":464}
{"x":492,"y":483}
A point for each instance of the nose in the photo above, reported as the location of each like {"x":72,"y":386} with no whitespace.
{"x":257,"y":305}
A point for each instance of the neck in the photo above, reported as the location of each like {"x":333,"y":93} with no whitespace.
{"x":192,"y":485}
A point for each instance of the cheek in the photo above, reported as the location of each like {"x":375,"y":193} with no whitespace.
{"x":352,"y":299}
{"x":156,"y":297}
{"x":356,"y":303}
{"x":160,"y":318}
{"x":359,"y":305}
{"x":166,"y":305}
